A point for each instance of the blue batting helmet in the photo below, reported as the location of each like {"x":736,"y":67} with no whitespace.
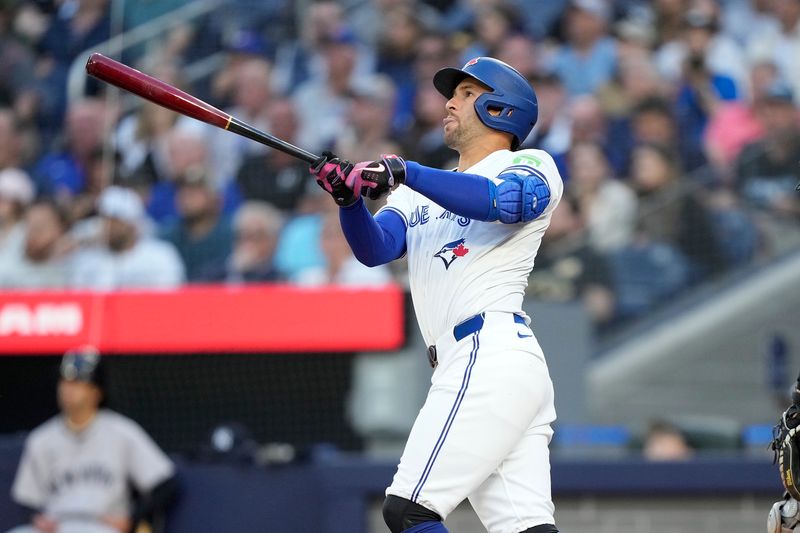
{"x":511,"y":95}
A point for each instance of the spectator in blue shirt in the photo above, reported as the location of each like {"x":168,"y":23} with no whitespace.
{"x":201,"y":234}
{"x":62,"y":172}
{"x":589,"y":59}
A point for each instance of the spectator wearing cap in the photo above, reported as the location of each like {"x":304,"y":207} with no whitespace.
{"x":256,"y":228}
{"x":589,"y":57}
{"x":78,"y":469}
{"x":767,"y":170}
{"x":126,"y":257}
{"x":16,"y":194}
{"x":202,"y":235}
{"x":273,"y":176}
{"x":42,"y":262}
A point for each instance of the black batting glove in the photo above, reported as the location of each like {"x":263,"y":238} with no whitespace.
{"x":331,"y":174}
{"x":380,"y":177}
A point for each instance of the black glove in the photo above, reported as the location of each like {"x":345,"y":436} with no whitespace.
{"x":379,"y":177}
{"x":331,"y":174}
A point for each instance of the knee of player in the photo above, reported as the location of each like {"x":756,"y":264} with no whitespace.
{"x":518,"y":198}
{"x":401,"y":514}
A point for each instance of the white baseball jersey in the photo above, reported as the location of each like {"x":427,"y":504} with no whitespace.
{"x":459,"y":267}
{"x":484,"y":431}
{"x":75,"y":476}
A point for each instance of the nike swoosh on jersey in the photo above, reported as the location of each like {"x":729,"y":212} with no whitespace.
{"x":521,"y":336}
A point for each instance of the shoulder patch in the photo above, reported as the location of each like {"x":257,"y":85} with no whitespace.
{"x":527,"y":159}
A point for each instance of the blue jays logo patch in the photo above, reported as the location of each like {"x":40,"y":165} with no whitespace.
{"x":451,"y":251}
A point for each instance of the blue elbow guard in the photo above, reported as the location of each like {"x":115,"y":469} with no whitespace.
{"x":518,"y":198}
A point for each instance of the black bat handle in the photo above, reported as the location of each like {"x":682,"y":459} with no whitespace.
{"x":246,"y":130}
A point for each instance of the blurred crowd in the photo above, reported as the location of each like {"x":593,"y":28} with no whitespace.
{"x":674,"y":124}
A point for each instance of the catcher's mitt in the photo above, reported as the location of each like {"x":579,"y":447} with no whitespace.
{"x":787,"y":449}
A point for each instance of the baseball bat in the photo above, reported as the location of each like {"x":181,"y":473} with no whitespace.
{"x":164,"y":94}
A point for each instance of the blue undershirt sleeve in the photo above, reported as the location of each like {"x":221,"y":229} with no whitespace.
{"x":460,"y":193}
{"x":374,"y":240}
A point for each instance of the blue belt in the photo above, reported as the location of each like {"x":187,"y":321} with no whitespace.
{"x":471,"y":325}
{"x":465,"y":328}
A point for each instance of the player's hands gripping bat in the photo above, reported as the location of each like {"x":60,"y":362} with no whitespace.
{"x":345,"y":181}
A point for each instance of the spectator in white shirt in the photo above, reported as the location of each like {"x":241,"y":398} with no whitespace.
{"x":16,"y":194}
{"x":126,"y":257}
{"x":41,"y":262}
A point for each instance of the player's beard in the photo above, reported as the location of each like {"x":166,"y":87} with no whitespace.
{"x":461,"y":134}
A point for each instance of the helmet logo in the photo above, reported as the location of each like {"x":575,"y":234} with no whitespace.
{"x":472,"y":62}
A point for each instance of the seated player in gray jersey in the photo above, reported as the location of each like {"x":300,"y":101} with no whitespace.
{"x":77,"y":469}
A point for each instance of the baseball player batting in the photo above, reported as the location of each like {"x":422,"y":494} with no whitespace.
{"x":77,"y":468}
{"x":471,"y":236}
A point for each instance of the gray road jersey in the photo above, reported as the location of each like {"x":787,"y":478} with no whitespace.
{"x":87,"y":474}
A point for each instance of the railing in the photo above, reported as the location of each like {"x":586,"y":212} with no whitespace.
{"x":76,"y":78}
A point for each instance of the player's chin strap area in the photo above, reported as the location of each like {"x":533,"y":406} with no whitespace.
{"x":784,"y":515}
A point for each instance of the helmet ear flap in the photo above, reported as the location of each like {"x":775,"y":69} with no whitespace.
{"x":499,"y":112}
